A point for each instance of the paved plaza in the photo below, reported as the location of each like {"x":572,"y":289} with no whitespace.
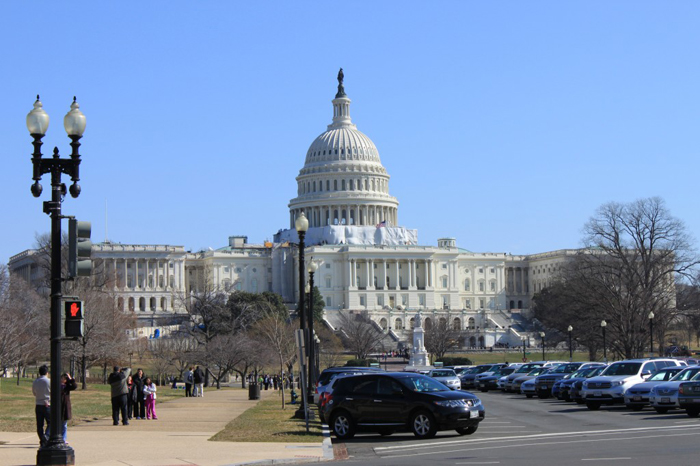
{"x":180,"y":436}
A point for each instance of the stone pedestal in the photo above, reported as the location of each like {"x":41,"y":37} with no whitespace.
{"x":419,"y":357}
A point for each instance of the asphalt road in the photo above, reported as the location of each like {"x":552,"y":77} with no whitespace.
{"x":518,"y":431}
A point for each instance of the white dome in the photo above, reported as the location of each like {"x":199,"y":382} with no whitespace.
{"x":343,"y":181}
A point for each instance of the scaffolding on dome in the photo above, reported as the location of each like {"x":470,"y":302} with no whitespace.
{"x":352,"y":235}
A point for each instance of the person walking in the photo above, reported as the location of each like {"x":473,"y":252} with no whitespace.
{"x":198,"y":377}
{"x":149,"y":390}
{"x":68,"y":384}
{"x":120,"y":391}
{"x":189,"y":380}
{"x":139,"y":407}
{"x":41,"y":388}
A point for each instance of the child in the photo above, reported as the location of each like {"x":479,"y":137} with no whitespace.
{"x":149,"y":393}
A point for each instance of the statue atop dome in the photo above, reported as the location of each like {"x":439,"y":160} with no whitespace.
{"x":341,"y":89}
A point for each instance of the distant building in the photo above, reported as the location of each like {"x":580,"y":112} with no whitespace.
{"x":368,"y":262}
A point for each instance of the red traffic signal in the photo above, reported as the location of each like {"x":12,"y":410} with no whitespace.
{"x":74,"y":310}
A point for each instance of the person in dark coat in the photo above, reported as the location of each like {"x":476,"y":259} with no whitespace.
{"x":68,"y":384}
{"x":131,"y":397}
{"x":198,"y":376}
{"x":120,"y":392}
{"x":140,"y":404}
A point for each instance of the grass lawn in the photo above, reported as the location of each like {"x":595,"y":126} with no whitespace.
{"x":17,"y":404}
{"x":268,"y":422}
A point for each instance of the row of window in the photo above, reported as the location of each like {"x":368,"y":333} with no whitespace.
{"x":374,"y":184}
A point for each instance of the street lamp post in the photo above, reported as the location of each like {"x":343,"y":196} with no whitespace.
{"x":301,"y":224}
{"x":312,"y":359}
{"x":571,"y":350}
{"x":604,"y":324}
{"x":524,"y":356}
{"x":651,"y":333}
{"x":55,"y":451}
{"x":542,"y":335}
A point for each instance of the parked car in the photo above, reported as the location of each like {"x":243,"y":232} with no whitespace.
{"x":517,"y":383}
{"x":519,"y":372}
{"x":528,"y":388}
{"x":468,"y":378}
{"x":329,"y":374}
{"x":544,"y":383}
{"x":458,"y":369}
{"x":689,"y":397}
{"x":398,"y":401}
{"x":564,"y":384}
{"x":610,"y":386}
{"x":664,"y":397}
{"x":491,"y":382}
{"x":446,"y":376}
{"x":637,"y":396}
{"x":571,"y":383}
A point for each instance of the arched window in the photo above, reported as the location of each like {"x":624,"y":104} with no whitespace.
{"x":254,"y":285}
{"x":428,"y":323}
{"x":161,"y":281}
{"x":172,"y":281}
{"x":132,"y":304}
{"x":456,"y":324}
{"x":512,"y":304}
{"x":481,"y":341}
{"x":467,"y":285}
{"x":164,"y":304}
{"x":412,"y":322}
{"x":398,"y":324}
{"x":120,"y":304}
{"x":442,"y":322}
{"x":471,"y":323}
{"x":342,"y":185}
{"x":142,"y":304}
{"x":152,"y":303}
{"x":382,"y":323}
{"x":492,"y":285}
{"x":472,"y":342}
{"x":520,"y":304}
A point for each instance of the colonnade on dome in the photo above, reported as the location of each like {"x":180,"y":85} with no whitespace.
{"x":350,"y":215}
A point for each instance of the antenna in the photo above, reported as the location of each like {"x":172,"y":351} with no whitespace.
{"x":106,"y":235}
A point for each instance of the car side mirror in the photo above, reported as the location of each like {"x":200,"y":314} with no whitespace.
{"x":646,"y":374}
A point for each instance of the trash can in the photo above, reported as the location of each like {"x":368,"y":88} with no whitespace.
{"x":253,"y":391}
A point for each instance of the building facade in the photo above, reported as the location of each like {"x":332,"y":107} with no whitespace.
{"x":367,"y":261}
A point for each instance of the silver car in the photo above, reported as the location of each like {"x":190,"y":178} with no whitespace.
{"x":665,"y":396}
{"x":446,"y":376}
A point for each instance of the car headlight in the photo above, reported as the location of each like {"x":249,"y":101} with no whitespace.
{"x":617,"y":383}
{"x":458,"y":403}
{"x":585,"y":384}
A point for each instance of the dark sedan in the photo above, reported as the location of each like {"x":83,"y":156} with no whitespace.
{"x":400,"y":401}
{"x":491,"y":382}
{"x":689,"y":398}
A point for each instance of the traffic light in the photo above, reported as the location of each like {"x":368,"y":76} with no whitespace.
{"x":74,"y":318}
{"x":79,"y":249}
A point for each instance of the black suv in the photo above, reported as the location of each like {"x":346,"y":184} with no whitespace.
{"x":405,"y":401}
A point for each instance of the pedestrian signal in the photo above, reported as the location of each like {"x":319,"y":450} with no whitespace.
{"x":73,"y":318}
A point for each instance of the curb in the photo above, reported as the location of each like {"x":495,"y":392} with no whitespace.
{"x":328,"y":454}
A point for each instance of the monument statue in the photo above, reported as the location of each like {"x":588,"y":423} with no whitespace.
{"x":341,"y":89}
{"x":419,"y":357}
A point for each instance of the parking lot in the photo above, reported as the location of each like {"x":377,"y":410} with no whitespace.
{"x":521,"y":431}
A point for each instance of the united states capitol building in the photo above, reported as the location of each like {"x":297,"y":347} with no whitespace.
{"x":367,"y":261}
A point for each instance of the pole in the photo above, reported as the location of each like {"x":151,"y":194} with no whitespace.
{"x":651,"y":337}
{"x":543,"y":356}
{"x":312,"y":343}
{"x":302,"y":275}
{"x":571,"y":350}
{"x":524,"y":356}
{"x":605,"y":352}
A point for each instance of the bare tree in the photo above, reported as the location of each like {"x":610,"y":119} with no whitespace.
{"x":278,"y":334}
{"x":252,"y":353}
{"x":330,"y":350}
{"x":362,"y":336}
{"x":441,"y":338}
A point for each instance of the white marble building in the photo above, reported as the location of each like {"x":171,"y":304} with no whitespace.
{"x":367,"y":261}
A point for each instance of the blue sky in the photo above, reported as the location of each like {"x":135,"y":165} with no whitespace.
{"x":503,"y":124}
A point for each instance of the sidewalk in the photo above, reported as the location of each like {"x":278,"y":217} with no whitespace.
{"x":179,"y":437}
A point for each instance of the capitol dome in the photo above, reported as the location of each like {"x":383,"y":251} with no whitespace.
{"x":343,"y":181}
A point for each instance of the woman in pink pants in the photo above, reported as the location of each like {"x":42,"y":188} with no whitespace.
{"x":149,"y":393}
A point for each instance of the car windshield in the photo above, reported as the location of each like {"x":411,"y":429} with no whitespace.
{"x":686,"y":374}
{"x":623,"y":368}
{"x":483,"y":369}
{"x":596,"y":371}
{"x":526,"y":368}
{"x":504,"y":371}
{"x":443,"y":373}
{"x":471,"y":370}
{"x":578,"y":373}
{"x":662,"y":375}
{"x":422,"y":384}
{"x":538,"y":371}
{"x":566,"y":368}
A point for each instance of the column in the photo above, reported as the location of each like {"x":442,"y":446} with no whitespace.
{"x":413,"y":274}
{"x":371,"y":274}
{"x":136,"y":274}
{"x":384,"y":284}
{"x":397,"y":284}
{"x":350,"y":274}
{"x":367,"y":274}
{"x":148,"y":271}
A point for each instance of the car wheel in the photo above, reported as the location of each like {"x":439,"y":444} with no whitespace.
{"x":484,"y":390}
{"x":593,"y":406}
{"x":342,"y":425}
{"x":566,"y":398}
{"x":542,"y":396}
{"x":637,"y":407}
{"x":693,"y":412}
{"x":385,"y":432}
{"x":661,"y":410}
{"x":467,"y":430}
{"x":529,"y":396}
{"x":423,"y":425}
{"x":579,"y":402}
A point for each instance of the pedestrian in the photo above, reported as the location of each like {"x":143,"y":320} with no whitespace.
{"x":139,"y":407}
{"x":120,"y":392}
{"x":68,"y":384}
{"x":41,"y":388}
{"x":149,"y":391}
{"x":131,"y":398}
{"x":189,"y":380}
{"x":198,"y":377}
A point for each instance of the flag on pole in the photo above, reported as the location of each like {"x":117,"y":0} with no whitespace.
{"x":381,"y":224}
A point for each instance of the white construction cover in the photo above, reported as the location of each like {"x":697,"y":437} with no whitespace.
{"x":387,"y":236}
